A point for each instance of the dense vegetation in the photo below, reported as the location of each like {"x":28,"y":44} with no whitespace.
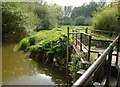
{"x":47,"y":44}
{"x":17,"y":20}
{"x":106,"y":18}
{"x":22,"y":19}
{"x":80,"y":15}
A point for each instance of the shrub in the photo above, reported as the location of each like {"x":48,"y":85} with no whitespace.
{"x":106,"y":19}
{"x":76,"y":65}
{"x":66,"y":20}
{"x":17,"y":19}
{"x":79,"y":20}
{"x":88,"y":21}
{"x":24,"y":44}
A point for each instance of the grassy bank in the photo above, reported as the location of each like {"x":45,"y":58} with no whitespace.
{"x":47,"y":45}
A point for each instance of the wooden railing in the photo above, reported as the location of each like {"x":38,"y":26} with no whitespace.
{"x":77,"y":37}
{"x":85,"y":78}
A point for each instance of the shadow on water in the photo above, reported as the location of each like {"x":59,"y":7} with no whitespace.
{"x":19,"y":69}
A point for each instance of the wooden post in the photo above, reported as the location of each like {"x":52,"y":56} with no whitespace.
{"x":86,"y":30}
{"x":76,"y":38}
{"x":73,"y":34}
{"x":81,"y":41}
{"x":118,"y":46}
{"x":67,"y":56}
{"x":118,"y":33}
{"x":89,"y":46}
{"x":108,"y":73}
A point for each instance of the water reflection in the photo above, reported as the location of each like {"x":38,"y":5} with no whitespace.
{"x":39,"y":79}
{"x":18,"y":69}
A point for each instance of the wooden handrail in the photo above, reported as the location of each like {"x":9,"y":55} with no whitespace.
{"x":94,"y":67}
{"x":97,"y":30}
{"x":102,"y":40}
{"x":79,"y":33}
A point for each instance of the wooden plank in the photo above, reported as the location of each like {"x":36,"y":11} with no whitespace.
{"x":84,"y":50}
{"x":82,"y":60}
{"x":81,"y":71}
{"x":76,"y":50}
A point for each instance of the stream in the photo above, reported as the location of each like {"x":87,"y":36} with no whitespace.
{"x":19,"y":69}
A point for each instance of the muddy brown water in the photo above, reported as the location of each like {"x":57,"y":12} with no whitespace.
{"x":19,"y":69}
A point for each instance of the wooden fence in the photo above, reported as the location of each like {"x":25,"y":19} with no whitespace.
{"x":86,"y":78}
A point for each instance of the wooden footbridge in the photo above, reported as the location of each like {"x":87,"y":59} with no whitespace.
{"x":102,"y":72}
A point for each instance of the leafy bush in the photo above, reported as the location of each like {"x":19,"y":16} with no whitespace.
{"x":76,"y":65}
{"x":17,"y":19}
{"x":88,"y":21}
{"x":106,"y":19}
{"x":52,"y":45}
{"x":21,"y":19}
{"x":49,"y":15}
{"x":79,"y":20}
{"x":66,"y":20}
{"x":24,"y":44}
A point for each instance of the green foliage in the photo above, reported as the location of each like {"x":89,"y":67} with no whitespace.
{"x":79,"y":20}
{"x":66,"y":20}
{"x":76,"y":65}
{"x":67,"y":11}
{"x":88,"y":21}
{"x":32,"y":40}
{"x":53,"y":44}
{"x":48,"y":15}
{"x":21,"y":19}
{"x":85,"y":10}
{"x":24,"y":44}
{"x":106,"y":19}
{"x":17,"y":19}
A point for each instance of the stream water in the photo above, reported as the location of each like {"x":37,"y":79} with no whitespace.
{"x":19,"y":69}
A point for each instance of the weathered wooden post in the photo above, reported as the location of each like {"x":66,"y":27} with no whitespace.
{"x":118,"y":43}
{"x":118,"y":46}
{"x":67,"y":56}
{"x":108,"y":68}
{"x":81,"y":41}
{"x":89,"y":46}
{"x":86,"y":30}
{"x":73,"y":34}
{"x":76,"y":38}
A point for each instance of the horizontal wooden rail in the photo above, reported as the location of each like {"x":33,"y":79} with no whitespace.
{"x":79,"y":33}
{"x":101,"y":31}
{"x":80,"y":29}
{"x":102,"y":40}
{"x":94,"y":51}
{"x":94,"y":67}
{"x":97,"y":30}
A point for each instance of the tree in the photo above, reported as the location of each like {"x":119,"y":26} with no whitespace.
{"x":22,"y":19}
{"x":88,"y":21}
{"x":106,"y":19}
{"x":79,"y":20}
{"x":85,"y":10}
{"x":66,"y":20}
{"x":17,"y":20}
{"x":67,"y":11}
